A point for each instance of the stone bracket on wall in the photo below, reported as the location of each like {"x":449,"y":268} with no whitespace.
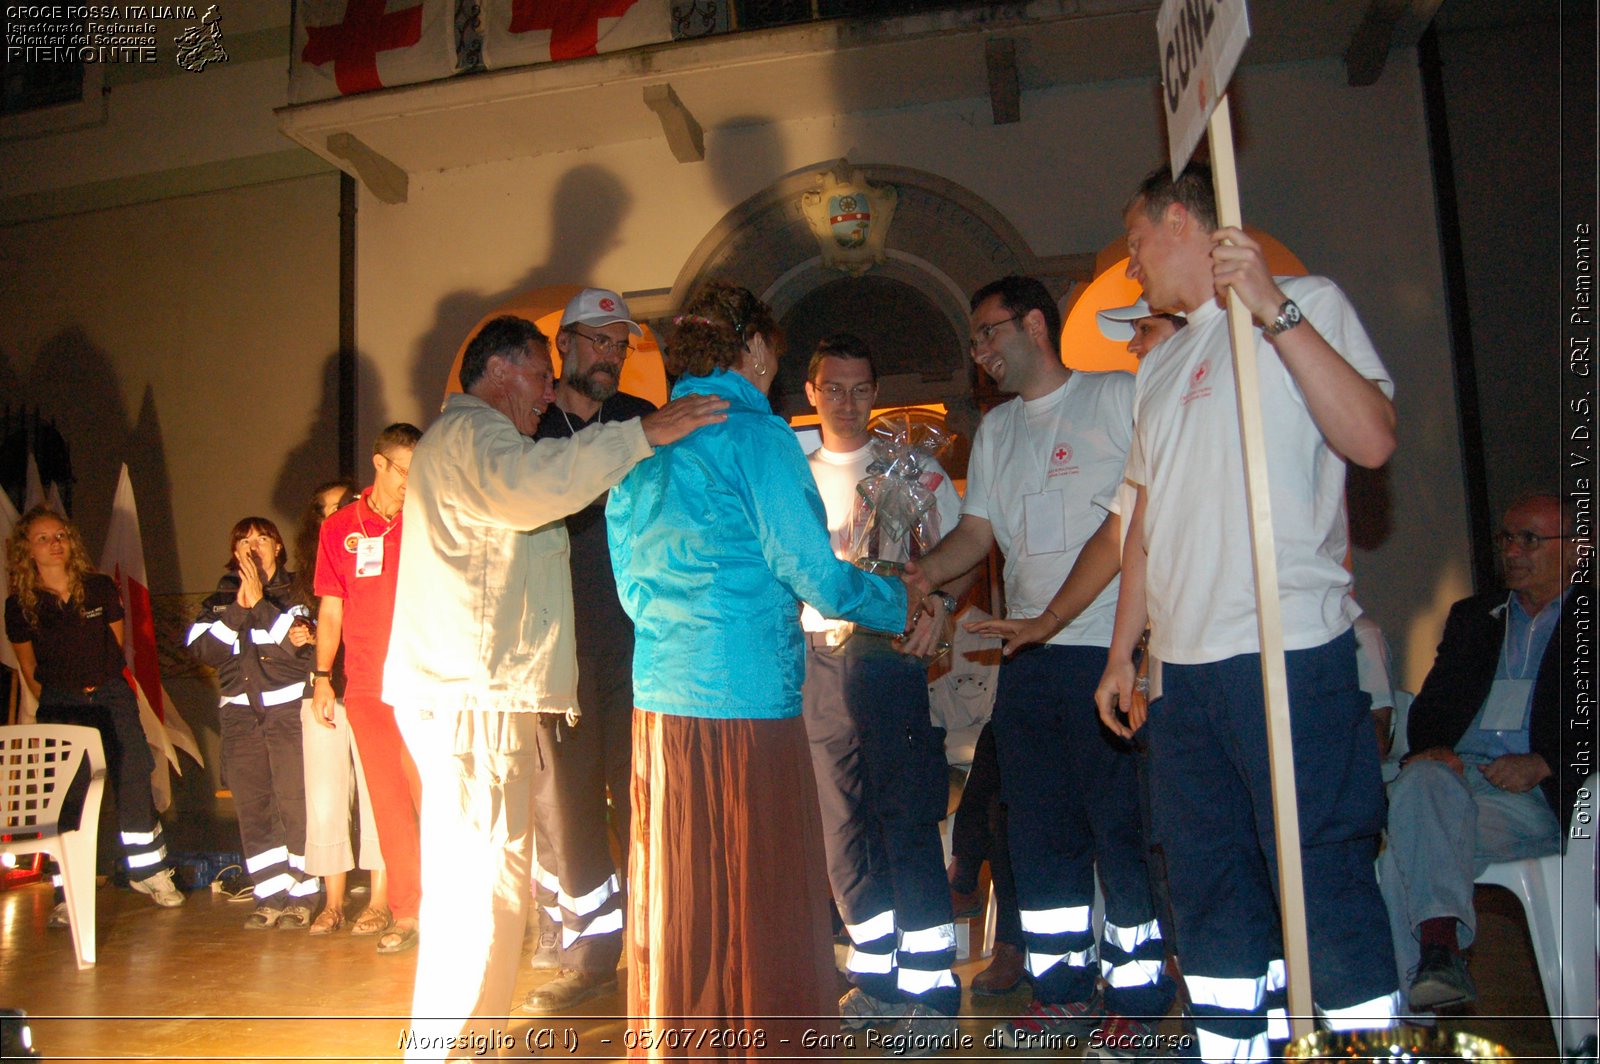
{"x":1005,"y":86}
{"x":1387,"y":24}
{"x":382,"y":178}
{"x":684,"y":135}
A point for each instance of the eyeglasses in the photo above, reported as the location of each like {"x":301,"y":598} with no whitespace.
{"x":983,"y":334}
{"x":837,"y":393}
{"x":404,"y":471}
{"x":44,"y":539}
{"x":1524,"y":541}
{"x":605,"y":344}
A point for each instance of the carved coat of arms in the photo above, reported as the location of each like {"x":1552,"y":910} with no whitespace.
{"x":850,"y":218}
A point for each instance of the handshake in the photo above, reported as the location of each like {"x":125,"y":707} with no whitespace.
{"x":927,"y":612}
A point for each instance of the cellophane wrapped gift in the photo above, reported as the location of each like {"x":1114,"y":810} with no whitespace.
{"x":896,"y":519}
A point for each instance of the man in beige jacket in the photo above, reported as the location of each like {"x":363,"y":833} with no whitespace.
{"x":482,"y":641}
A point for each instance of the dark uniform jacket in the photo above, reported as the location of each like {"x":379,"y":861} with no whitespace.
{"x":1561,"y":728}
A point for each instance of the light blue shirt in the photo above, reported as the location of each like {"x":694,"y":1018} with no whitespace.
{"x":1520,"y":655}
{"x":715,"y":542}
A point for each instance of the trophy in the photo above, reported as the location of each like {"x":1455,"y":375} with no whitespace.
{"x":896,"y":518}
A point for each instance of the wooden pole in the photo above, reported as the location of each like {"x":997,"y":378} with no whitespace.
{"x":1269,"y":618}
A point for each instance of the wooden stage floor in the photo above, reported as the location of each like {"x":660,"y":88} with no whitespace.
{"x":191,"y":984}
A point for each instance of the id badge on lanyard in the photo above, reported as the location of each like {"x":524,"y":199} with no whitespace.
{"x":1044,"y":520}
{"x":369,"y":556}
{"x":1506,"y":708}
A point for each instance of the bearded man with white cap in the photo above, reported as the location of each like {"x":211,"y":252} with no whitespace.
{"x":578,"y":888}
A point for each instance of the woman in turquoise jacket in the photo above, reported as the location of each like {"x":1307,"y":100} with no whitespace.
{"x":715,"y":544}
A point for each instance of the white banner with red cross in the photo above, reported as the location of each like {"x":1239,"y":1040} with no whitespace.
{"x":343,"y":47}
{"x":519,"y":32}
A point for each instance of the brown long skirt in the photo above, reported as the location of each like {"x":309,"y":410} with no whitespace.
{"x":730,"y":953}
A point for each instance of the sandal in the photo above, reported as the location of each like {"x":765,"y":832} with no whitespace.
{"x":398,"y":940}
{"x":327,"y":922}
{"x":372,"y":922}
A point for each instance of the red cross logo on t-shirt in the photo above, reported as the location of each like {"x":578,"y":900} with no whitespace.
{"x":574,"y":26}
{"x":1200,"y":373}
{"x":353,"y":45}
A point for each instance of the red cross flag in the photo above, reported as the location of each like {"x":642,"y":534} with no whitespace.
{"x":519,"y":32}
{"x":343,"y":47}
{"x":123,"y":561}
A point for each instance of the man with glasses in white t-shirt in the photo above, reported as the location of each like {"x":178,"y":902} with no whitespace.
{"x":881,"y":774}
{"x":1038,"y":463}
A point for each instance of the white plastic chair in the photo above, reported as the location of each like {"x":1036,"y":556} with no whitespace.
{"x":37,"y":766}
{"x":1558,"y":898}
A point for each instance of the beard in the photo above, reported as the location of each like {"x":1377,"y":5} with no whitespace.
{"x":590,"y":386}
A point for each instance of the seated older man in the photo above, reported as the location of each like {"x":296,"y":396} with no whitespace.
{"x":1486,"y":780}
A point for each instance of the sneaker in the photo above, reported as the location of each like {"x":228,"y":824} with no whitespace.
{"x":264,"y":917}
{"x":160,"y":889}
{"x":922,"y":1032}
{"x":1123,"y":1038}
{"x":1056,"y":1026}
{"x":547,"y":953}
{"x":859,"y":1010}
{"x":59,"y":917}
{"x":1441,"y":980}
{"x":570,"y":988}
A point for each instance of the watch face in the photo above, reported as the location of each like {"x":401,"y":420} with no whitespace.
{"x":1291,"y":312}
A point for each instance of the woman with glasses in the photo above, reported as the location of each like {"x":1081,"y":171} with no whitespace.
{"x":715,"y":544}
{"x":64,"y":621}
{"x":245,"y":631}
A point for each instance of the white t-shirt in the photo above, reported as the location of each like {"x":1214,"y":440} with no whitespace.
{"x":1200,"y":581}
{"x":1037,"y":467}
{"x":837,"y":475}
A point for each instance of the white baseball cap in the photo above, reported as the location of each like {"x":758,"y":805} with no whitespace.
{"x":596,"y":307}
{"x":1116,"y":323}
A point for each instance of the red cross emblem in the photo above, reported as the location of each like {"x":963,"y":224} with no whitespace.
{"x":1062,"y":454}
{"x":1200,"y":373}
{"x":574,"y":26}
{"x":353,"y":45}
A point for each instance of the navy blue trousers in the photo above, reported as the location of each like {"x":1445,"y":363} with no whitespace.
{"x":883,"y":786}
{"x":1212,"y":808}
{"x":1072,"y":795}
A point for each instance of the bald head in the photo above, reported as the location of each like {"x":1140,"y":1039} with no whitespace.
{"x":1535,"y":553}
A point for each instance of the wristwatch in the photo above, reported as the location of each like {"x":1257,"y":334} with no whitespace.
{"x":1288,"y":317}
{"x":321,"y":674}
{"x":948,"y":599}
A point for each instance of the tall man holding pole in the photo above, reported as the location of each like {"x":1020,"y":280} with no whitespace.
{"x":1325,"y":399}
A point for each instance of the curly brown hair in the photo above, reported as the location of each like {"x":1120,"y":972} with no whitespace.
{"x":713,"y":329}
{"x":25,"y":575}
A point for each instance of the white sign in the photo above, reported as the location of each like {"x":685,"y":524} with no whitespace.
{"x":1200,"y":42}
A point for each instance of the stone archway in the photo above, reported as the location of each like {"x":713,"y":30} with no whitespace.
{"x":943,"y":242}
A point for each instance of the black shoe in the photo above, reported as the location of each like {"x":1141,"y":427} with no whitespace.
{"x":547,"y":951}
{"x":1442,"y":980}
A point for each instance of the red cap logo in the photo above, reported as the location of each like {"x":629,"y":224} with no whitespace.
{"x":608,"y":305}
